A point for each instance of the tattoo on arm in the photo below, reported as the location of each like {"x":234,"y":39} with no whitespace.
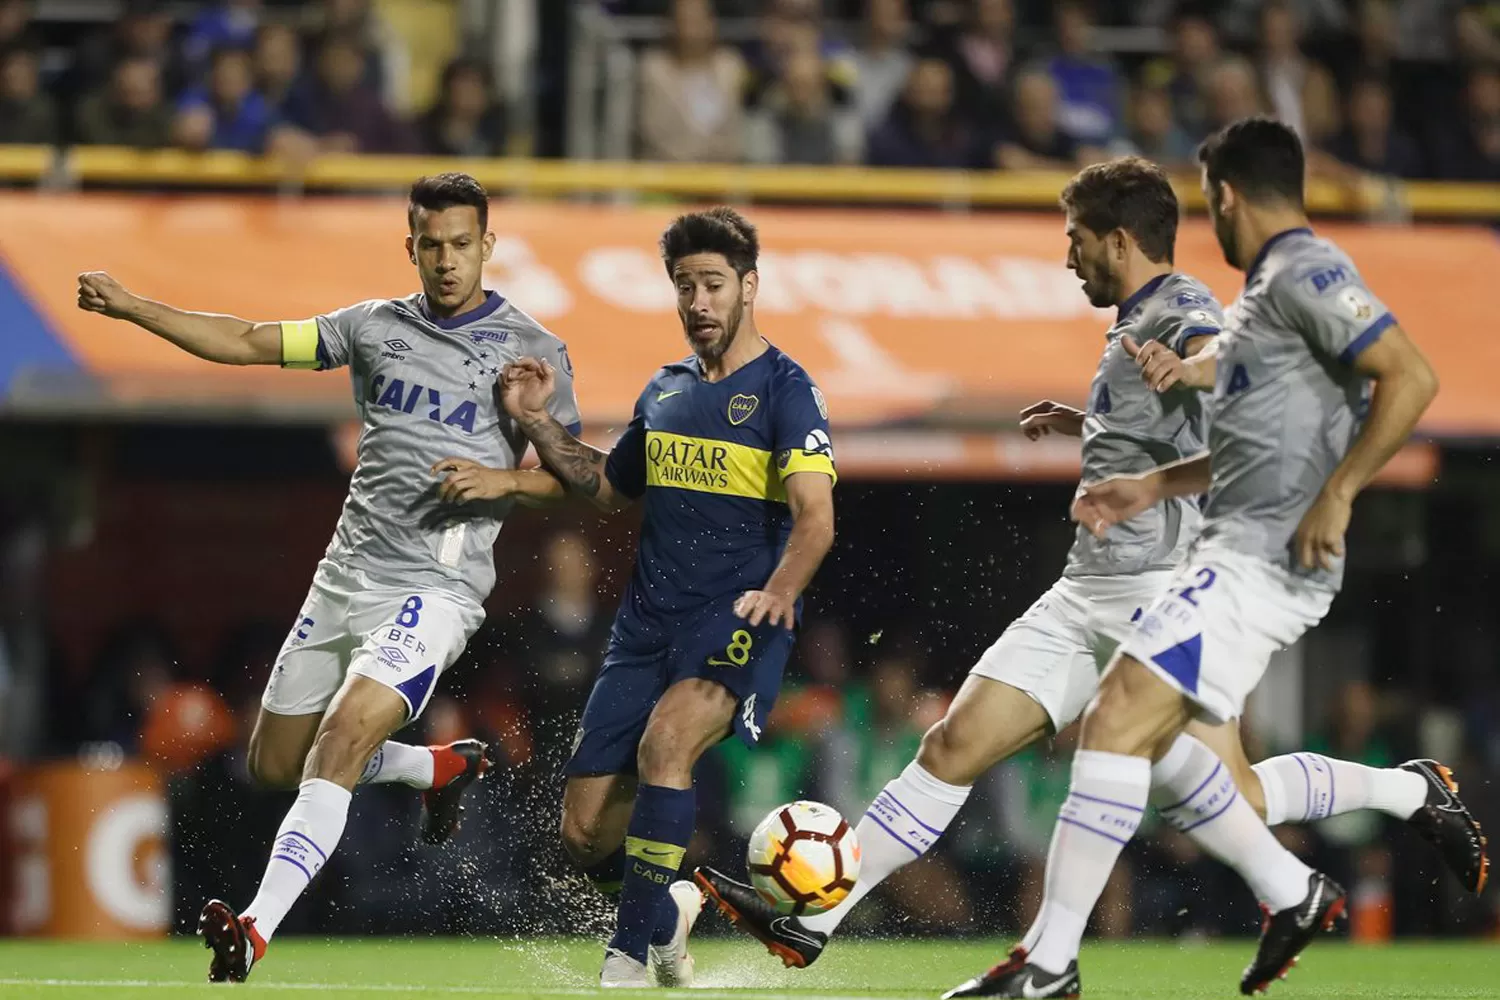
{"x":577,"y":464}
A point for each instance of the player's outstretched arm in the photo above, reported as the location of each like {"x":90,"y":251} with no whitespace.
{"x":1162,"y":368}
{"x":225,"y":339}
{"x":526,"y":386}
{"x":1404,"y":386}
{"x":810,"y":497}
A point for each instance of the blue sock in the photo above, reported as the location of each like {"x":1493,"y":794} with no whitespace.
{"x":608,"y":873}
{"x":660,"y":826}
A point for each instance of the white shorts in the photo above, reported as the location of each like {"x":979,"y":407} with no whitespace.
{"x":1212,"y":632}
{"x":403,"y":639}
{"x":1054,"y":651}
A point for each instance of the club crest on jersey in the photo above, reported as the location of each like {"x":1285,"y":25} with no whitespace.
{"x":741,"y":407}
{"x":1357,"y":303}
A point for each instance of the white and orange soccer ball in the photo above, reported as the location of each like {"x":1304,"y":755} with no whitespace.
{"x":803,"y":858}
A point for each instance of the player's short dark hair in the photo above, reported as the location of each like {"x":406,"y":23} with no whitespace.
{"x":1128,"y":193}
{"x":719,"y":230}
{"x":1259,"y":157}
{"x":436,"y":192}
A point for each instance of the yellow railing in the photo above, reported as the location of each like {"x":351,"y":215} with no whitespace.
{"x":174,"y":168}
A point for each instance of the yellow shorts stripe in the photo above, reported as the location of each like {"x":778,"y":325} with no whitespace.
{"x":655,"y":852}
{"x":299,"y":343}
{"x":706,"y":465}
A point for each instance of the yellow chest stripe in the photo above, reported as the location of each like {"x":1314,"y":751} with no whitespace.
{"x":705,"y":465}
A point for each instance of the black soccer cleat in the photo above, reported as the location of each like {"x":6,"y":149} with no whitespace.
{"x":1284,"y":935}
{"x":1446,"y":823}
{"x":1016,"y":977}
{"x":442,"y":808}
{"x":234,"y":942}
{"x":783,"y":936}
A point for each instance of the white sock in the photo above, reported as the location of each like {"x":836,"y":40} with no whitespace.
{"x":1100,"y":815}
{"x":399,"y":762}
{"x":1195,"y":793}
{"x":901,"y":825}
{"x":307,"y":837}
{"x":1302,"y":787}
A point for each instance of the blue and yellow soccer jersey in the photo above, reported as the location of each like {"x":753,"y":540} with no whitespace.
{"x":711,"y":460}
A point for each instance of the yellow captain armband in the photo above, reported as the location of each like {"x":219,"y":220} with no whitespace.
{"x":299,"y":344}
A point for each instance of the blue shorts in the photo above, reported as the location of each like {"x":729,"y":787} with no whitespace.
{"x":719,"y":646}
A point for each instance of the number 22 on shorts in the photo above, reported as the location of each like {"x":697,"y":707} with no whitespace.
{"x":737,"y":653}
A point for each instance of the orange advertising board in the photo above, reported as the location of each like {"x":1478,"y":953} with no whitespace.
{"x":898,"y":315}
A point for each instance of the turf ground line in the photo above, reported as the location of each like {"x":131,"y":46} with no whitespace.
{"x":539,"y":991}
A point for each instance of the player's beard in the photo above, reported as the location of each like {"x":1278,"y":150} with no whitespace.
{"x":715,"y":349}
{"x":1102,"y":287}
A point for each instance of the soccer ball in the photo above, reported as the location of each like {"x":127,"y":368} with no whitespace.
{"x":803,"y":858}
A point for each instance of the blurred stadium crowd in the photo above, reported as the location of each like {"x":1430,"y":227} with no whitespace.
{"x":1400,"y":88}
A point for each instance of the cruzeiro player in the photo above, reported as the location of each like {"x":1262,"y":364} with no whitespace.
{"x":729,"y":452}
{"x":398,"y":593}
{"x":1042,"y":672}
{"x":1296,"y":435}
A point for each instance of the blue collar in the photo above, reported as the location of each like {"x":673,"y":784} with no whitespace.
{"x":1140,"y":295}
{"x":1265,"y":248}
{"x":493,"y":301}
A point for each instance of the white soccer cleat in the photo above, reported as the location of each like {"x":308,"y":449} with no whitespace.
{"x":621,"y":972}
{"x":671,"y":962}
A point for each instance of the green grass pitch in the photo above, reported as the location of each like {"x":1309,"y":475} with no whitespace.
{"x":510,"y":969}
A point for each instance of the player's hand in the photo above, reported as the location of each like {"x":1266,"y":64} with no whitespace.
{"x":756,"y":606}
{"x":1043,"y":418}
{"x":1160,"y":366}
{"x":1098,"y":506}
{"x":526,"y":386}
{"x":466,"y":481}
{"x":98,"y":292}
{"x":1320,"y":536}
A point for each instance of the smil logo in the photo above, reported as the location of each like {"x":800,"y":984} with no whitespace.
{"x":741,"y":407}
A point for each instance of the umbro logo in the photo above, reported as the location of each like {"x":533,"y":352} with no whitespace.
{"x":398,"y":345}
{"x":394,"y":654}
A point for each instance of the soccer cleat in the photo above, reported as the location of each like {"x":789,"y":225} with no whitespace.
{"x":783,"y":936}
{"x":236,"y":944}
{"x":1446,"y":823}
{"x":1015,"y":977}
{"x":1284,"y":935}
{"x":671,"y":962}
{"x":621,"y":972}
{"x":455,"y":767}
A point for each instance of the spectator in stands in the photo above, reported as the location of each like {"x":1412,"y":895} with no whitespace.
{"x":1152,"y":132}
{"x":789,"y":27}
{"x":1370,"y":140}
{"x":342,"y":110}
{"x":466,"y":120}
{"x":1089,"y":89}
{"x":1233,"y":93}
{"x":797,"y":121}
{"x":388,"y":65}
{"x":1299,"y":91}
{"x":1475,"y":27}
{"x":130,"y":112}
{"x":144,"y":30}
{"x":883,"y":62}
{"x":15,"y":24}
{"x":923,"y":130}
{"x":278,"y":66}
{"x":1473,"y":154}
{"x":562,"y":637}
{"x":225,"y":24}
{"x":27,"y":116}
{"x":1035,"y":141}
{"x":692,"y":93}
{"x":1195,"y":53}
{"x":227,"y":112}
{"x":1240,"y":19}
{"x":984,"y":58}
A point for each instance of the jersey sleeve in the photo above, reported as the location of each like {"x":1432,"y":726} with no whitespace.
{"x":799,"y":427}
{"x":1332,"y":309}
{"x":324,"y":342}
{"x":1187,"y":316}
{"x":564,"y":404}
{"x":625,"y":468}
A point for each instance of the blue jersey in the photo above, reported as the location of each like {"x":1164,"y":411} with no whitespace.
{"x":711,"y":460}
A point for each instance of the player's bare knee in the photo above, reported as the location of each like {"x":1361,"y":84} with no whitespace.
{"x":665,"y":755}
{"x":947,"y":755}
{"x":582,"y":837}
{"x":1109,"y":724}
{"x":271,"y":770}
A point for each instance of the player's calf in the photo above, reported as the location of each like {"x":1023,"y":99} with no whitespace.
{"x":362,"y":715}
{"x":1135,"y":712}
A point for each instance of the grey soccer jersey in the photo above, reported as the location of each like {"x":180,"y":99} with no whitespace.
{"x":1130,"y":428}
{"x":1288,"y":400}
{"x":426,"y":389}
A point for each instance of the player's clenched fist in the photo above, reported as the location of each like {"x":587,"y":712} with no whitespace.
{"x":526,"y":386}
{"x":756,"y":606}
{"x":98,"y":292}
{"x":1043,"y":418}
{"x":466,"y":481}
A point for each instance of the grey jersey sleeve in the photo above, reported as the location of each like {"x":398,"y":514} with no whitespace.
{"x":564,"y":403}
{"x":1177,"y":321}
{"x":1329,"y":305}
